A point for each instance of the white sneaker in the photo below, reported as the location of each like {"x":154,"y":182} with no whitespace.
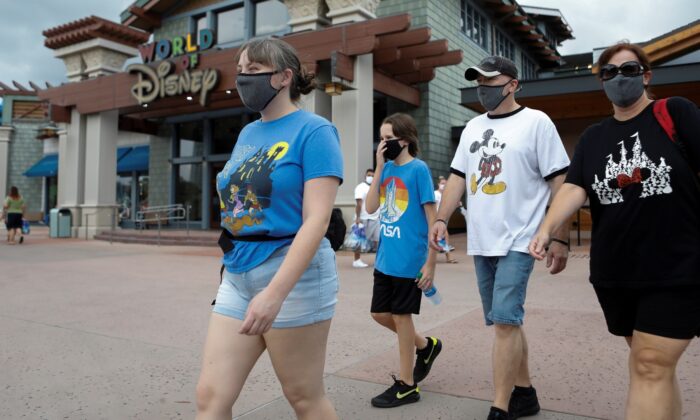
{"x":359,"y":264}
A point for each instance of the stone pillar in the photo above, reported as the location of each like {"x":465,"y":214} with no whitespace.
{"x":344,"y":11}
{"x":5,"y":135}
{"x":71,"y":166}
{"x":353,"y":116}
{"x":94,"y":58}
{"x":100,"y":173}
{"x":307,"y":14}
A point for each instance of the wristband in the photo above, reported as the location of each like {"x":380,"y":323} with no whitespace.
{"x":560,"y":241}
{"x":441,"y":220}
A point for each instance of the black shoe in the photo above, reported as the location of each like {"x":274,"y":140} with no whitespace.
{"x":21,"y":239}
{"x":523,"y":402}
{"x":398,"y":394}
{"x":498,"y":414}
{"x":425,"y":358}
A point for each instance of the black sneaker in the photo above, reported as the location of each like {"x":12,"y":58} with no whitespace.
{"x":498,"y":414}
{"x":425,"y":358}
{"x":398,"y":394}
{"x":523,"y":402}
{"x":21,"y":239}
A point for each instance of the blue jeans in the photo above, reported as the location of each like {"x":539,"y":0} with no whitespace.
{"x":311,"y":300}
{"x":502,"y":285}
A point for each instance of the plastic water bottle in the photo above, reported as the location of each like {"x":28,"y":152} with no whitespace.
{"x":433,"y":295}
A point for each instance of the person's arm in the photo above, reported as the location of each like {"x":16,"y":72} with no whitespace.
{"x":358,"y":210}
{"x":569,"y":198}
{"x":319,"y":196}
{"x":372,"y":199}
{"x":428,"y":271}
{"x":451,"y":197}
{"x":558,"y":252}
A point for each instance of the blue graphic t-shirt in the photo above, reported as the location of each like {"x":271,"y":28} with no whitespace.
{"x":261,"y":188}
{"x":403,"y":238}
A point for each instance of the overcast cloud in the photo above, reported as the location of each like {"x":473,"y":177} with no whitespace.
{"x":595,"y":23}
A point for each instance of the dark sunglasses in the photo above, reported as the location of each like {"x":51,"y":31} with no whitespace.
{"x":628,"y":69}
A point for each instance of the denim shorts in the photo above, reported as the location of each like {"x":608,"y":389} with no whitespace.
{"x":311,"y":300}
{"x":503,"y":285}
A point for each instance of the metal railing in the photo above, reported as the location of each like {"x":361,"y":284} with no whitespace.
{"x":163,"y":214}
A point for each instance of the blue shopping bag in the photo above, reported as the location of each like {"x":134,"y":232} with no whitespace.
{"x":25,"y":227}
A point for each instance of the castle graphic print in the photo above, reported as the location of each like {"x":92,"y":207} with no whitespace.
{"x":655,"y":178}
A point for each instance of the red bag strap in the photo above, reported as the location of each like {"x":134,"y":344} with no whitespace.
{"x":664,"y":118}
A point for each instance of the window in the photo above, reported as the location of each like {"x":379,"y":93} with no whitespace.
{"x":201,"y":22}
{"x":271,"y":16}
{"x":529,"y":69}
{"x":188,"y":188}
{"x":191,"y":139}
{"x":230,"y":25}
{"x":474,"y":24}
{"x":504,"y":46}
{"x":225,"y":132}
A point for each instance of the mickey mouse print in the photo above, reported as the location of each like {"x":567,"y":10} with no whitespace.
{"x":490,"y":164}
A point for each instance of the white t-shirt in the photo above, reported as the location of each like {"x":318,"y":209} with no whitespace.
{"x":361,"y":194}
{"x":438,"y":198}
{"x":506,"y":161}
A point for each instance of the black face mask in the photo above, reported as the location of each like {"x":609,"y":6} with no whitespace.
{"x":255,"y":89}
{"x":393,"y":149}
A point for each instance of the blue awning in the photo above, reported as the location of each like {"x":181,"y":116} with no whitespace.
{"x":46,"y":166}
{"x":134,"y":161}
{"x":122,"y":151}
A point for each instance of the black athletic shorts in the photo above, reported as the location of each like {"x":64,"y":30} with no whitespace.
{"x":13,"y":221}
{"x":398,"y":295}
{"x":672,"y":312}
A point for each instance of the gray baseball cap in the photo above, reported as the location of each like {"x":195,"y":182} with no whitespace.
{"x":491,"y":67}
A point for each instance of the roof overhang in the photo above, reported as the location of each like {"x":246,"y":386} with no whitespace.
{"x":403,"y":57}
{"x":583,"y":97}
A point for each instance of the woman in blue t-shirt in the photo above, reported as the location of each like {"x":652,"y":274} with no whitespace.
{"x":276,"y":193}
{"x":404,"y":265}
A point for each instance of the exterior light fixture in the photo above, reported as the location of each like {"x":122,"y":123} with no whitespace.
{"x":189,"y":98}
{"x":49,"y":131}
{"x":145,"y":105}
{"x":228,"y":91}
{"x":333,"y":88}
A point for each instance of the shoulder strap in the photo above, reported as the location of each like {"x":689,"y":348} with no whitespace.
{"x":664,"y":118}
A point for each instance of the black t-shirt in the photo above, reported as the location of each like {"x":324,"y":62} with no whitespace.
{"x":645,"y":202}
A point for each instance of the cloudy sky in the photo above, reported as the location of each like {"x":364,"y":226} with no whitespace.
{"x":595,"y":23}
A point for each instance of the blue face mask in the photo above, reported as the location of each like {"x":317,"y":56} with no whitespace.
{"x":255,"y":89}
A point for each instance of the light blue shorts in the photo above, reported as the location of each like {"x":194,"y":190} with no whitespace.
{"x":311,"y":300}
{"x":503,"y":285}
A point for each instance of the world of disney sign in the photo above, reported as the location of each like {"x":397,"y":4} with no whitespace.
{"x":154,"y":83}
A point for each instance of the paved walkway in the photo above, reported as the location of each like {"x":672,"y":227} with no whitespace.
{"x":90,"y":330}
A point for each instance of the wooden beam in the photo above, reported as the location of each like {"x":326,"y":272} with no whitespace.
{"x":402,"y":66}
{"x":420,"y":76}
{"x":447,"y":59}
{"x":396,"y":89}
{"x":505,"y":8}
{"x":516,"y":19}
{"x":20,"y":87}
{"x":405,"y":39}
{"x":342,"y":66}
{"x":385,"y":56}
{"x":59,"y":114}
{"x":137,"y":125}
{"x":151,"y":19}
{"x":674,"y":45}
{"x":524,"y":28}
{"x":5,"y":87}
{"x":534,"y":36}
{"x":426,"y":50}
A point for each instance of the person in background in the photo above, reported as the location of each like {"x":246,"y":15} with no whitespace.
{"x":13,"y":210}
{"x":645,"y":206}
{"x":370,"y":222}
{"x":445,"y":242}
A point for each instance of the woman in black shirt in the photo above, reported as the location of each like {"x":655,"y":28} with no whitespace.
{"x":645,"y":244}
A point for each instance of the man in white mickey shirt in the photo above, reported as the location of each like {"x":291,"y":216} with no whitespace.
{"x":509,"y":161}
